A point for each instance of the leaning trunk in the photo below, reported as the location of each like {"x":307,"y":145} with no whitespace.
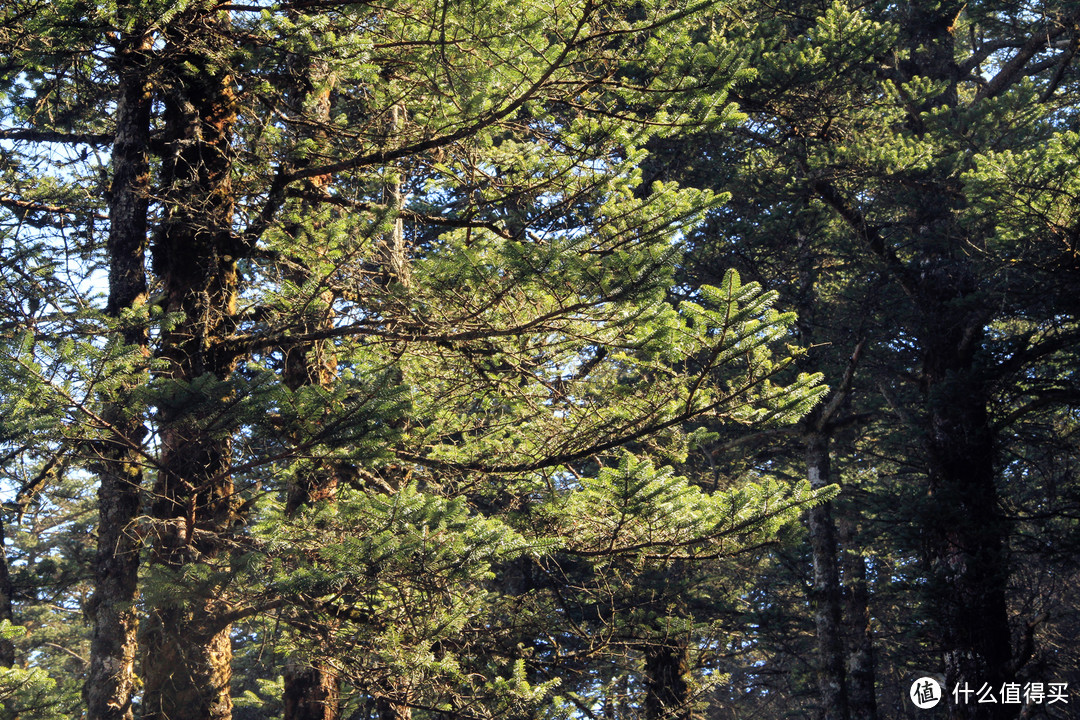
{"x":110,"y":679}
{"x":186,"y":651}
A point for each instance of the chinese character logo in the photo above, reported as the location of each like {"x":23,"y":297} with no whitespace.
{"x":925,"y":693}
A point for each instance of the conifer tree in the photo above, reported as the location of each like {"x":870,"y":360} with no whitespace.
{"x":443,"y":275}
{"x":863,"y":173}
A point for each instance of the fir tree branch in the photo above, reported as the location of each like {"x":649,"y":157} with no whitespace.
{"x":56,"y":136}
{"x":384,"y":157}
{"x":1015,"y":69}
{"x":555,"y":459}
{"x":22,"y":208}
{"x":870,"y":234}
{"x":984,"y":51}
{"x":30,"y":490}
{"x":362,"y":206}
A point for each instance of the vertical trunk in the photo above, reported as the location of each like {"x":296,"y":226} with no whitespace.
{"x":667,"y":693}
{"x":311,"y":692}
{"x":832,"y":683}
{"x":862,"y":698}
{"x":110,"y":680}
{"x":965,"y":529}
{"x":186,"y":651}
{"x":394,"y":258}
{"x":392,"y":700}
{"x":390,"y":710}
{"x":310,"y":364}
{"x":7,"y":648}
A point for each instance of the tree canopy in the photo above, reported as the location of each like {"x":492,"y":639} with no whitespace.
{"x":535,"y":359}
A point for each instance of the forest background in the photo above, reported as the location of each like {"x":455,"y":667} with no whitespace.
{"x":538,"y":359}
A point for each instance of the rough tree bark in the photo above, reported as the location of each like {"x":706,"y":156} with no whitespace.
{"x":186,"y":647}
{"x":832,"y":680}
{"x":311,"y":692}
{"x":667,"y":694}
{"x":113,"y":647}
{"x":818,"y":426}
{"x":389,"y":709}
{"x":861,"y":672}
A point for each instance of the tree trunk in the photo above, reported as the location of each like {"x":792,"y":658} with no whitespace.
{"x":832,"y":682}
{"x":7,"y":648}
{"x":394,"y":257}
{"x":965,"y":528}
{"x":391,"y":710}
{"x":311,"y":691}
{"x":186,"y":651}
{"x":110,"y":679}
{"x":667,"y":693}
{"x":862,"y":697}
